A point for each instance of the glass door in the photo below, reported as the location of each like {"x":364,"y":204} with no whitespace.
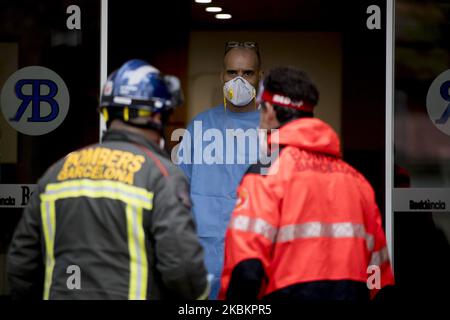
{"x":49,"y":81}
{"x":421,"y":194}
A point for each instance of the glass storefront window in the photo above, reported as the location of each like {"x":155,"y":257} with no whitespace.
{"x":64,"y":38}
{"x":422,"y":147}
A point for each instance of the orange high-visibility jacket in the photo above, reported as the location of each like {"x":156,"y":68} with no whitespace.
{"x":312,"y":219}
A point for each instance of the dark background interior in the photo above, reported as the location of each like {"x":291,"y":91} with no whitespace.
{"x":158,"y":31}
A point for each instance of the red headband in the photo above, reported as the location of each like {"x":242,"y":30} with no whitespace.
{"x":284,"y":101}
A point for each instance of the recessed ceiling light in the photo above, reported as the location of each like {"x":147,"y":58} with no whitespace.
{"x":213,"y":9}
{"x":203,"y":1}
{"x":223,"y":16}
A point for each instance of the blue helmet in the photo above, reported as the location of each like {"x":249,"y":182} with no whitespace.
{"x":139,"y":89}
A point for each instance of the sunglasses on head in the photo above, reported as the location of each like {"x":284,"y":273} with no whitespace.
{"x":237,"y":44}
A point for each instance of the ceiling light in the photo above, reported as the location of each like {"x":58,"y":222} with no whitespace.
{"x":213,"y":9}
{"x":203,"y":1}
{"x":223,"y":16}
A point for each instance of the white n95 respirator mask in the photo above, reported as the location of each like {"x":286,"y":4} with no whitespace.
{"x":239,"y":91}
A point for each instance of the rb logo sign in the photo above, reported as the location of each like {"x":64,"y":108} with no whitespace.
{"x":35,"y":100}
{"x":438,"y":102}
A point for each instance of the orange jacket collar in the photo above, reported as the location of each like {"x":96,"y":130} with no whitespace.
{"x":310,"y":134}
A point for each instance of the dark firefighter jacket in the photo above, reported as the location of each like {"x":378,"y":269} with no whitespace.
{"x":109,"y":221}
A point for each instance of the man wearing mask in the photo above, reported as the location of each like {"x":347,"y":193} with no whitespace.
{"x":214,"y":182}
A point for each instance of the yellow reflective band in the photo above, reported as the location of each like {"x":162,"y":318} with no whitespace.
{"x":144,"y":113}
{"x":132,"y":252}
{"x":138,"y":254}
{"x":142,"y":248}
{"x":49,"y":226}
{"x":136,"y":200}
{"x":136,"y":196}
{"x":205,"y":294}
{"x":105,"y":114}
{"x":126,"y":114}
{"x":99,"y":184}
{"x":99,"y":194}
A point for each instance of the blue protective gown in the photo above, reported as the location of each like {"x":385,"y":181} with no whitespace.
{"x":213,"y":185}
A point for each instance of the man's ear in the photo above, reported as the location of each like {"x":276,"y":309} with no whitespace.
{"x":157,"y":117}
{"x":271,"y":115}
{"x":269,"y":108}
